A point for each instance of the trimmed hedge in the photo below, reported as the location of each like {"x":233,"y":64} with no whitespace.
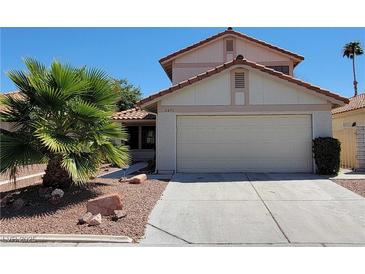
{"x":327,"y":155}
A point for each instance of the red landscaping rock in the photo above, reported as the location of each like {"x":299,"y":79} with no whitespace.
{"x":138,"y":179}
{"x":85,"y":218}
{"x":118,"y":214}
{"x":95,"y":220}
{"x":105,"y":205}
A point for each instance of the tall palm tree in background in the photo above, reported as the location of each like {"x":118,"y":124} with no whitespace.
{"x":350,"y":50}
{"x":63,"y":119}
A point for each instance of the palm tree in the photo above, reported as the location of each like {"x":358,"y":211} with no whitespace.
{"x":350,"y":50}
{"x":63,"y":119}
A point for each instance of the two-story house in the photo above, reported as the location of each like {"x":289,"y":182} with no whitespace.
{"x":234,"y":106}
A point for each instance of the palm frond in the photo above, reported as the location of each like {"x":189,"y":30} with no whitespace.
{"x":54,"y":141}
{"x":35,"y":67}
{"x":116,"y":155}
{"x":21,"y":81}
{"x":86,"y":110}
{"x":81,"y":166}
{"x":17,"y":151}
{"x":113,"y":130}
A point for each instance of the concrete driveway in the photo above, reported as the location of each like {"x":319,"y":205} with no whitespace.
{"x":256,"y":209}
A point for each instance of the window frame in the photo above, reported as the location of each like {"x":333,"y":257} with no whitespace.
{"x":144,"y":144}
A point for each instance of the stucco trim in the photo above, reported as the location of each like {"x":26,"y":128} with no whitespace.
{"x":195,"y":65}
{"x":244,"y":108}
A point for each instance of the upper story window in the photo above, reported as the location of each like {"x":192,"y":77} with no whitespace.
{"x":282,"y":69}
{"x":229,"y":45}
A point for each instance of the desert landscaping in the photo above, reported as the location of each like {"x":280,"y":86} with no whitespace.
{"x":119,"y":207}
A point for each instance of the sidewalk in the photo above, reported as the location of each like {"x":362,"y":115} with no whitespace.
{"x":348,"y":174}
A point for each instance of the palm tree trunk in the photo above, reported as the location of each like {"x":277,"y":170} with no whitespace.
{"x":55,"y":175}
{"x":354,"y":72}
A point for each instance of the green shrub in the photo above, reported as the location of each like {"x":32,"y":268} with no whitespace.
{"x":327,"y":155}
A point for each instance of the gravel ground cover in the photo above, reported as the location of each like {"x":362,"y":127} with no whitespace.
{"x":357,"y":186}
{"x":40,"y":216}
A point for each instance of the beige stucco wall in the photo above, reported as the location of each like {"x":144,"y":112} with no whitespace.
{"x":348,"y":118}
{"x":182,"y":73}
{"x":264,"y":89}
{"x":258,"y":53}
{"x":269,"y":90}
{"x":212,"y":52}
{"x":352,"y":138}
{"x":212,"y":97}
{"x":215,"y":91}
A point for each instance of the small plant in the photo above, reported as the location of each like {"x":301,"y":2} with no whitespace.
{"x":327,"y":155}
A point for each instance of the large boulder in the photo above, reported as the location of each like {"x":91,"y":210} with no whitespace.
{"x":138,"y":179}
{"x":105,"y":205}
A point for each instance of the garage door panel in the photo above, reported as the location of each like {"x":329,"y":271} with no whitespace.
{"x":245,"y":165}
{"x":232,"y":150}
{"x":274,"y":143}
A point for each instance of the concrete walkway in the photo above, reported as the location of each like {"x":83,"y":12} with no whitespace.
{"x":256,"y":209}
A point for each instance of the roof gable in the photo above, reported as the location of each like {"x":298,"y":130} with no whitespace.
{"x":166,"y":62}
{"x":333,"y":97}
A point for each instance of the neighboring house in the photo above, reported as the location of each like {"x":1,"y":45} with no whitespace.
{"x":5,"y":125}
{"x":235,"y":106}
{"x":348,"y":124}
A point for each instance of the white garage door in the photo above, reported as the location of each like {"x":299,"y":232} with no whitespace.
{"x":276,"y":143}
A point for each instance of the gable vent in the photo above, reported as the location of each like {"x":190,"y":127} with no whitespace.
{"x":239,"y":80}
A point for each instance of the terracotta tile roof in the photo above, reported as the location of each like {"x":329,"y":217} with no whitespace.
{"x":13,"y":94}
{"x":134,"y":114}
{"x":227,"y":65}
{"x":166,"y":65}
{"x":356,"y":102}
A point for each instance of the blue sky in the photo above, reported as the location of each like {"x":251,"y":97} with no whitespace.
{"x":133,"y":53}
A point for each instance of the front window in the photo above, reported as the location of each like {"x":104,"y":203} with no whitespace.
{"x":148,"y":137}
{"x":282,"y":69}
{"x":133,"y":137}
